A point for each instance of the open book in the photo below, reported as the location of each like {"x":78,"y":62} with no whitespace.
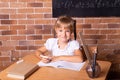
{"x":63,"y":64}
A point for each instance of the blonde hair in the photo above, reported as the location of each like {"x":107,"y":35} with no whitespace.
{"x":66,"y":22}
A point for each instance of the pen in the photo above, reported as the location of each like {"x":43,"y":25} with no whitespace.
{"x":94,"y":63}
{"x":44,"y":56}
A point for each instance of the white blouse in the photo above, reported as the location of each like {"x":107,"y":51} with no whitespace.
{"x":51,"y":45}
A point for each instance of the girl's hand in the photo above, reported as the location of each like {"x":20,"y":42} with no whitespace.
{"x":56,"y":58}
{"x":45,"y":59}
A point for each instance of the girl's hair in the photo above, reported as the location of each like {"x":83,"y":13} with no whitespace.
{"x":66,"y":22}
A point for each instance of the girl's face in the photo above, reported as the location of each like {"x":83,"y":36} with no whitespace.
{"x":63,"y":34}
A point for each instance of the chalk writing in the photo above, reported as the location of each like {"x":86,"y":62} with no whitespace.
{"x":80,"y":7}
{"x":86,"y":3}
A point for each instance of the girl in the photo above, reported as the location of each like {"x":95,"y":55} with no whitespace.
{"x":62,"y":47}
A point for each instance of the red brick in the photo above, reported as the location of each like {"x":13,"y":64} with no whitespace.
{"x":34,"y":37}
{"x":2,"y":38}
{"x":47,"y":15}
{"x":90,"y":32}
{"x":46,"y":31}
{"x":5,"y":53}
{"x":8,"y":0}
{"x":105,"y":41}
{"x":92,"y":20}
{"x":17,"y":27}
{"x":43,"y":10}
{"x":48,"y":27}
{"x":18,"y":37}
{"x":100,"y":26}
{"x":4,"y":27}
{"x":83,"y":26}
{"x":26,"y":32}
{"x":4,"y":4}
{"x":7,"y":64}
{"x":8,"y":11}
{"x":31,"y":42}
{"x":40,"y":42}
{"x":17,"y":5}
{"x":4,"y":16}
{"x":34,"y":26}
{"x":114,"y":26}
{"x":91,"y":42}
{"x":35,"y":16}
{"x":35,"y":5}
{"x":42,"y":21}
{"x":47,"y":36}
{"x":110,"y":20}
{"x":29,"y":0}
{"x":109,"y":47}
{"x":27,"y":52}
{"x":32,"y":47}
{"x":95,"y":37}
{"x":4,"y":58}
{"x":113,"y":36}
{"x":25,"y":22}
{"x":17,"y":16}
{"x":108,"y":42}
{"x":49,"y":4}
{"x":26,"y":10}
{"x":8,"y":21}
{"x":11,"y":43}
{"x":10,"y":32}
{"x":79,"y":21}
{"x":15,"y":54}
{"x":108,"y":31}
{"x":6,"y":48}
{"x":21,"y":48}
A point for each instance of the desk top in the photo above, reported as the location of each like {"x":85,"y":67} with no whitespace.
{"x":50,"y":73}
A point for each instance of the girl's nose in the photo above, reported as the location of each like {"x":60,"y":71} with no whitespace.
{"x":64,"y":34}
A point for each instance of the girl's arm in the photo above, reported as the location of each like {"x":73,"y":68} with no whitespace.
{"x":77,"y":57}
{"x":41,"y":51}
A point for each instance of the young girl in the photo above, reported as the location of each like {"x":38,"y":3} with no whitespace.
{"x":63,"y":47}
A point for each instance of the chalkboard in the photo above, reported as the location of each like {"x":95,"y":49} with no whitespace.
{"x":86,"y":8}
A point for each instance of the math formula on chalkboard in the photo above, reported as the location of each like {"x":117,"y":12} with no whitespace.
{"x":86,"y":8}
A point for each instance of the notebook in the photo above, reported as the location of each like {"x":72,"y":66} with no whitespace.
{"x":63,"y":64}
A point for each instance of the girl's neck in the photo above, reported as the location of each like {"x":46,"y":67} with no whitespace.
{"x":62,"y":45}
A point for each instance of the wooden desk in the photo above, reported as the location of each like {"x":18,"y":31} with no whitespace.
{"x":49,"y":73}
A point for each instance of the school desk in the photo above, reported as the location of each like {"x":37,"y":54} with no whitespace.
{"x":50,"y":73}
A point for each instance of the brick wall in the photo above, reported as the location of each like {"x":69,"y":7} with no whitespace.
{"x":26,"y":24}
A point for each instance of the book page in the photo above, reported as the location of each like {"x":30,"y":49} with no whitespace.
{"x":63,"y":64}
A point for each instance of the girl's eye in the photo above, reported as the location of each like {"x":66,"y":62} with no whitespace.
{"x":60,"y":30}
{"x":68,"y":31}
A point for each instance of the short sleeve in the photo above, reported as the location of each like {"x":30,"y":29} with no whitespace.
{"x":75,"y":45}
{"x":49,"y":43}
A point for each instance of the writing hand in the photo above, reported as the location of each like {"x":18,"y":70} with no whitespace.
{"x":45,"y":59}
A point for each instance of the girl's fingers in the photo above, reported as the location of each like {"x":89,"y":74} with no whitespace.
{"x":45,"y":60}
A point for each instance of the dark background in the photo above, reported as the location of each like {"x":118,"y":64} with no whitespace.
{"x":86,"y":8}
